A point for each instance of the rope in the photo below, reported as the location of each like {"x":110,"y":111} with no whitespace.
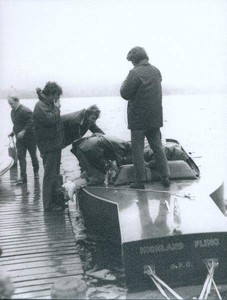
{"x":211,"y":265}
{"x":159,"y":283}
{"x":159,"y":287}
{"x":189,"y":196}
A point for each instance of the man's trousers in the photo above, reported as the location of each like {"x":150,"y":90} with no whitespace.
{"x":154,"y":139}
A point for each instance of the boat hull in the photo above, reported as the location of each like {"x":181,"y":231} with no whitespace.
{"x":174,"y":239}
{"x":178,"y":260}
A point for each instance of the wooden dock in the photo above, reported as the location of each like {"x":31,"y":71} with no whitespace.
{"x":38,"y":247}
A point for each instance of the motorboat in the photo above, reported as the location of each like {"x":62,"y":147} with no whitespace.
{"x":173,"y":233}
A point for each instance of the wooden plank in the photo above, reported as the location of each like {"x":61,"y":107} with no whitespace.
{"x":71,"y":249}
{"x":37,"y":246}
{"x":41,"y":281}
{"x":20,"y":260}
{"x":40,"y":241}
{"x":36,"y":264}
{"x":12,"y":222}
{"x":30,"y":277}
{"x":33,"y":234}
{"x":34,"y":237}
{"x":30,"y":289}
{"x":43,"y":270}
{"x":28,"y":227}
{"x":8,"y":247}
{"x":60,"y":253}
{"x":33,"y":295}
{"x":45,"y":294}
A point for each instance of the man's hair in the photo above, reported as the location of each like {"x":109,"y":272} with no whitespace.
{"x":136,"y":54}
{"x":93,"y":110}
{"x":14,"y":98}
{"x":52,"y":88}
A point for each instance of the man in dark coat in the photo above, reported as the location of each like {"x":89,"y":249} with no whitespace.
{"x":23,"y":129}
{"x":97,"y":152}
{"x":142,"y":89}
{"x":76,"y":124}
{"x":50,"y":137}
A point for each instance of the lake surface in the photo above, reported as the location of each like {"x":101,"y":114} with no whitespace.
{"x":198,"y":122}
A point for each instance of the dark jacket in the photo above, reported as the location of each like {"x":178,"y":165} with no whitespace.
{"x":48,"y":126}
{"x":22,"y":120}
{"x":142,"y":88}
{"x":101,"y":149}
{"x":75,"y":126}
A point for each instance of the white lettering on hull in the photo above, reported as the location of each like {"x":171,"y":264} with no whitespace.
{"x":178,"y":246}
{"x":161,"y":248}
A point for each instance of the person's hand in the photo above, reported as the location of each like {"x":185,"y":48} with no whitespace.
{"x":21,"y":135}
{"x":57,"y":103}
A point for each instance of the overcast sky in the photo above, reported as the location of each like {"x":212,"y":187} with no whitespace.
{"x":86,"y":41}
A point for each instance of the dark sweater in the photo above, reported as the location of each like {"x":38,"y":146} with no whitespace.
{"x":22,"y":120}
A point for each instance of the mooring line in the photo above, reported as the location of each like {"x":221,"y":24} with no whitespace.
{"x":189,"y":196}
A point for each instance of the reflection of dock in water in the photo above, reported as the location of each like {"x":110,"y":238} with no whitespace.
{"x":38,"y":247}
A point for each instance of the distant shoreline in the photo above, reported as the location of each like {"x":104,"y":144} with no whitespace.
{"x":113,"y":91}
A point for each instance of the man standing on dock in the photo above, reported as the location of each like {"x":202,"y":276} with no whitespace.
{"x":23,"y":129}
{"x":142,"y":89}
{"x":50,"y":138}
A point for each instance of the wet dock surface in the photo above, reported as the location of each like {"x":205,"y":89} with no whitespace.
{"x":38,"y":248}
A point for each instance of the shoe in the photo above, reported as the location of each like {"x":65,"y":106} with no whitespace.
{"x":137,"y":185}
{"x":21,"y":181}
{"x":165,"y":181}
{"x":36,"y":175}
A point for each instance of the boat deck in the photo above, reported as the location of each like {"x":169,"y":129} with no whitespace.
{"x":174,"y":230}
{"x":38,"y":248}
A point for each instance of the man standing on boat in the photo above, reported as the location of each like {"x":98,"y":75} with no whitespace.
{"x":23,"y":129}
{"x":142,"y":89}
{"x":50,"y":138}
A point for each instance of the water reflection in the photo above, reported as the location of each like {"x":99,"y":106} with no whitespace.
{"x":57,"y":231}
{"x":37,"y":191}
{"x":155,"y":227}
{"x":13,"y":173}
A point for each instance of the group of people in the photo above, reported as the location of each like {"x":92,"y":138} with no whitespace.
{"x":51,"y":132}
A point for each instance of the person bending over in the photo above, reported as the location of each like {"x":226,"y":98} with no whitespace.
{"x":96,"y":155}
{"x":76,"y":124}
